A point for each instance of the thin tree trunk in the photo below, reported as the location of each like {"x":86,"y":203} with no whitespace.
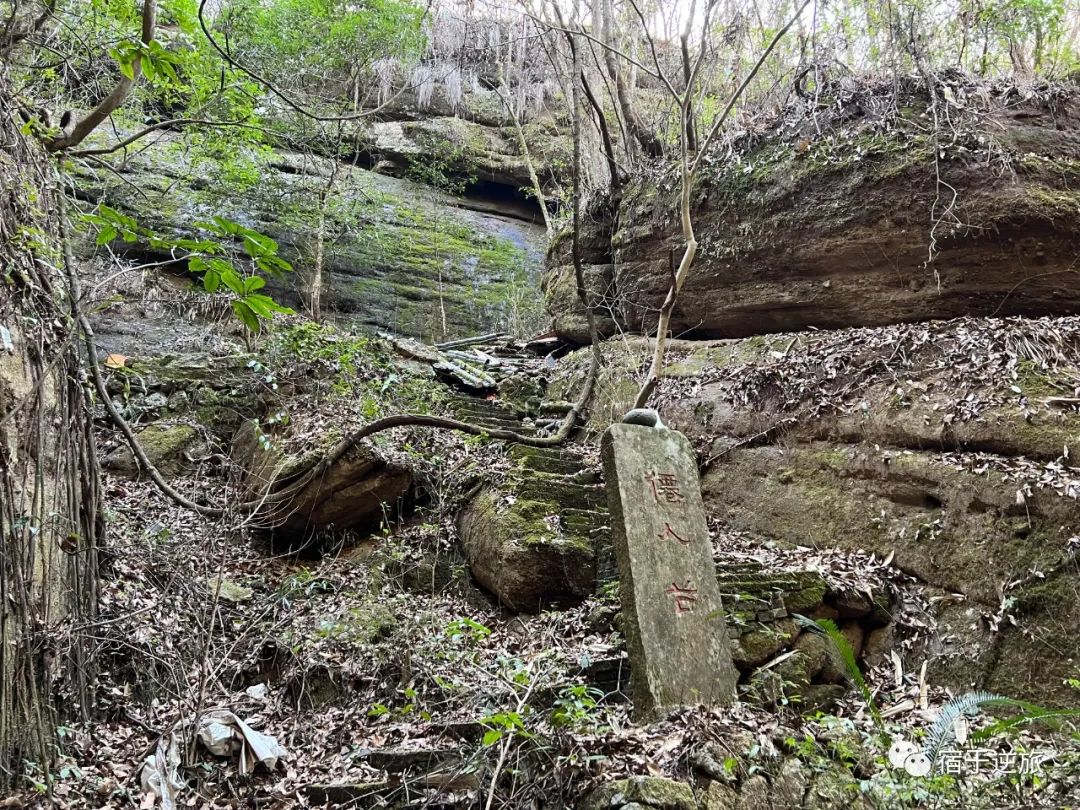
{"x":688,"y":80}
{"x":119,"y":94}
{"x":640,"y":131}
{"x":656,"y":368}
{"x":316,"y":291}
{"x":605,"y":135}
{"x":317,"y":272}
{"x":689,"y":168}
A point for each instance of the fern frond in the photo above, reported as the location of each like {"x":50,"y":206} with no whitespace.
{"x":844,"y":655}
{"x":943,"y":731}
{"x":1031,"y":715}
{"x":840,"y":647}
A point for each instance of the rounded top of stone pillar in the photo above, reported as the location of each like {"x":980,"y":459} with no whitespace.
{"x":647,"y":417}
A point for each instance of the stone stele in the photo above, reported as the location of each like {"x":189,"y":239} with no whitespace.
{"x":675,"y":631}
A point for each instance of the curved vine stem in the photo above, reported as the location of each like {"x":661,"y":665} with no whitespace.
{"x":75,"y":293}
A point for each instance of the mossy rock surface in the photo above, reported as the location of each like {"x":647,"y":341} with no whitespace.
{"x":646,"y":791}
{"x":522,"y":552}
{"x":958,"y":531}
{"x":398,"y":256}
{"x":164,"y":446}
{"x":762,"y":643}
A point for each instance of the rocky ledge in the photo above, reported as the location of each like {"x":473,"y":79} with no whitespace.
{"x":850,"y":215}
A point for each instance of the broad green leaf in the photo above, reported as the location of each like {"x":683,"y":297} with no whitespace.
{"x":246,"y":316}
{"x":265,"y":306}
{"x":231,"y":280}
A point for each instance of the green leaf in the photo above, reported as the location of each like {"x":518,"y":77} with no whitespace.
{"x":491,"y":737}
{"x":231,"y":280}
{"x":169,"y":72}
{"x":273,"y":265}
{"x":254,"y":283}
{"x":264,"y":305}
{"x":246,"y":316}
{"x":257,"y":245}
{"x":226,"y":226}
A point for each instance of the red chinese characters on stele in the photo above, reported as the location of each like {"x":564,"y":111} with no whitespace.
{"x":665,"y":490}
{"x":684,"y":596}
{"x":668,"y":533}
{"x":665,"y":487}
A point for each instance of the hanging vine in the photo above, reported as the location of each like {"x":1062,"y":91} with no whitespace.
{"x":49,"y":483}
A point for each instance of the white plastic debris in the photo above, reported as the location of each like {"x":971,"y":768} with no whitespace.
{"x":159,"y":778}
{"x":225,"y":734}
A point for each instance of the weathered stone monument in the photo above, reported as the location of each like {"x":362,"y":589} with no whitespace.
{"x":675,"y":628}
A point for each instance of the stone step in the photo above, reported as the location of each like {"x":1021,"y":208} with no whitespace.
{"x":561,"y":491}
{"x":493,"y":424}
{"x":521,"y":450}
{"x":473,"y":405}
{"x":500,"y":424}
{"x":481,"y":411}
{"x":551,"y":464}
{"x":598,"y":514}
{"x":557,"y":478}
{"x":432,"y":791}
{"x":399,"y":760}
{"x":586,"y":522}
{"x":485,"y":416}
{"x":586,"y":517}
{"x":581,"y":530}
{"x":607,"y":569}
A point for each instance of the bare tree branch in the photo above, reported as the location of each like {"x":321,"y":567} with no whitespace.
{"x":173,"y":122}
{"x":93,"y":119}
{"x":13,"y":34}
{"x":688,"y":172}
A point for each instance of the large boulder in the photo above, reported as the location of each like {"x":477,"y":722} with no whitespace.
{"x":166,"y":446}
{"x":828,"y":221}
{"x":352,"y":493}
{"x":527,"y":552}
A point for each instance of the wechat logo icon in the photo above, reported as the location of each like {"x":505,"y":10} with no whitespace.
{"x":909,"y":757}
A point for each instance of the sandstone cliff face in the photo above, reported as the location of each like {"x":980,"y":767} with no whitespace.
{"x":490,"y":153}
{"x":398,"y":255}
{"x":804,"y":227}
